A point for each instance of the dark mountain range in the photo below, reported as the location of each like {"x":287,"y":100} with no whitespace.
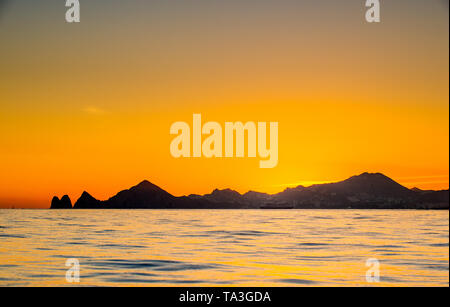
{"x":365,"y":191}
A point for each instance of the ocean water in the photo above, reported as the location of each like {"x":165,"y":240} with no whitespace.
{"x":224,"y":247}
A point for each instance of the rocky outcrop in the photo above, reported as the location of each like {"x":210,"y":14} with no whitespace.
{"x":63,"y":203}
{"x":55,"y":203}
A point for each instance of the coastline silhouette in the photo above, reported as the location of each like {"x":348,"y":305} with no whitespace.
{"x":365,"y":191}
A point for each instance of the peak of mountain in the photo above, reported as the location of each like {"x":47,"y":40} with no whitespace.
{"x":373,"y":184}
{"x":87,"y":201}
{"x":224,"y":196}
{"x":86,"y":196}
{"x":65,"y":202}
{"x":55,"y":203}
{"x":143,"y":195}
{"x":367,"y":189}
{"x":146,"y":185}
{"x":379,"y":177}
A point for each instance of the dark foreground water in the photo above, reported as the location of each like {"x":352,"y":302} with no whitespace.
{"x":224,"y":247}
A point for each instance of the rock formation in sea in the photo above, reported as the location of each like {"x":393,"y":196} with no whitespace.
{"x":55,"y":203}
{"x":63,"y":203}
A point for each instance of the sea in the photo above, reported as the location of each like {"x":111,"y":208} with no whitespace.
{"x":289,"y":248}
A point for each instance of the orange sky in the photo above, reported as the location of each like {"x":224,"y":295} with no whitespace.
{"x":89,"y":106}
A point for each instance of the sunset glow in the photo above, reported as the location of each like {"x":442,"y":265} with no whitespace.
{"x":89,"y":106}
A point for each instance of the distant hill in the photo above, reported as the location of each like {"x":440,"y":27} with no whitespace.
{"x":365,"y":191}
{"x":144,"y":195}
{"x":223,"y":196}
{"x":366,"y":185}
{"x":362,"y":191}
{"x":86,"y":201}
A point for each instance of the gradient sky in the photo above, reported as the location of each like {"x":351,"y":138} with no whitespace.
{"x":88,"y":106}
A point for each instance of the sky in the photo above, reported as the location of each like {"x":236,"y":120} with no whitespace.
{"x":89,"y":106}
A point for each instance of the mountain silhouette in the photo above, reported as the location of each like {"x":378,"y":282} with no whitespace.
{"x":63,"y":203}
{"x":143,"y":195}
{"x":365,"y":191}
{"x":255,"y":198}
{"x":86,"y":201}
{"x":227,"y":196}
{"x":369,"y":184}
